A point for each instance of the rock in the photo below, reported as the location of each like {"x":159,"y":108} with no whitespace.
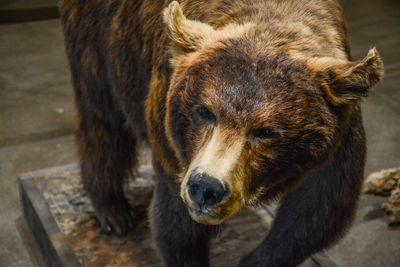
{"x":386,"y":183}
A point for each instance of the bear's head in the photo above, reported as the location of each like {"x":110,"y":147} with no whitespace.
{"x":248,"y":122}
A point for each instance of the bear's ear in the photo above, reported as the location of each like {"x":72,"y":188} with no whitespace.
{"x":187,"y":35}
{"x":348,"y":81}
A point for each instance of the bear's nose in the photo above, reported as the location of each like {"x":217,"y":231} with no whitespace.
{"x":205,"y":191}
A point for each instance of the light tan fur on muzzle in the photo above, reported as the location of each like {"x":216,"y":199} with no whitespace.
{"x":217,"y":158}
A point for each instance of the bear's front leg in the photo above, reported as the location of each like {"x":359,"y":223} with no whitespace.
{"x":317,"y":213}
{"x":179,"y":240}
{"x":107,"y":153}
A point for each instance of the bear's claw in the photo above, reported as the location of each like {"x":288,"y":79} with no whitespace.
{"x":116,"y":218}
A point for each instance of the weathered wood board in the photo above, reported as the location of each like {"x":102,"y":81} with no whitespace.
{"x":61,"y":219}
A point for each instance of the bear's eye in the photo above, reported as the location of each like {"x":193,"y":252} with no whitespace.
{"x":205,"y":114}
{"x":265,"y":133}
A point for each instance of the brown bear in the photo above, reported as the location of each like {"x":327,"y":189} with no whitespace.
{"x":242,"y":102}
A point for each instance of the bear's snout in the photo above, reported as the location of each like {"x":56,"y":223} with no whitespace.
{"x":206,"y":191}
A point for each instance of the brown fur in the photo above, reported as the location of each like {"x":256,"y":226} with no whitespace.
{"x":142,"y":69}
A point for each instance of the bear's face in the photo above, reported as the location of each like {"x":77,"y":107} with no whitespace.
{"x":253,"y":127}
{"x":248,"y":124}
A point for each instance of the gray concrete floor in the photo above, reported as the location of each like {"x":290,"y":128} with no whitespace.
{"x":37,"y":120}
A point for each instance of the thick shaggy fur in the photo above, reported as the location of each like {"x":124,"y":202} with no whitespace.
{"x":281,"y":97}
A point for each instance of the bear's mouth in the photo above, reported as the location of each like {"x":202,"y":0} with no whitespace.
{"x":204,"y":217}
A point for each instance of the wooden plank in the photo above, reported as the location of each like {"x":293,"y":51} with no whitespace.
{"x":50,"y":241}
{"x":61,"y":219}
